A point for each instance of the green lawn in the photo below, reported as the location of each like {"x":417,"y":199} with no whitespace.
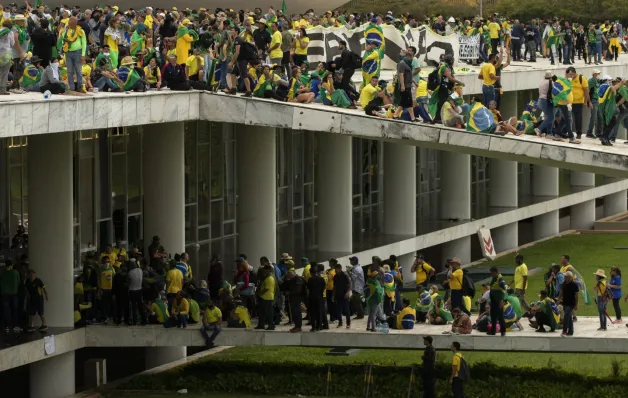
{"x":150,"y":394}
{"x":587,"y":253}
{"x":583,"y":364}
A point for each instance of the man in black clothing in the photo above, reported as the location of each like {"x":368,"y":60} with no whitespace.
{"x":293,"y":285}
{"x":531,"y":32}
{"x":43,"y":41}
{"x":262,"y":38}
{"x":517,"y":40}
{"x":428,"y":374}
{"x":316,"y":287}
{"x":342,"y":290}
{"x":569,"y":298}
{"x":174,"y":75}
{"x":345,"y":62}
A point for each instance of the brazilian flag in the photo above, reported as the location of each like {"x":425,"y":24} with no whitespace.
{"x":607,"y":102}
{"x":510,"y":317}
{"x":480,"y":119}
{"x":561,"y":90}
{"x":374,"y":292}
{"x":137,"y":42}
{"x":129,"y":77}
{"x":211,"y":72}
{"x":423,"y":302}
{"x":441,"y":311}
{"x":516,"y":304}
{"x":389,"y":286}
{"x":374,"y":34}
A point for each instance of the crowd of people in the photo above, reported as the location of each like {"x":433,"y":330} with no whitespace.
{"x":265,"y":54}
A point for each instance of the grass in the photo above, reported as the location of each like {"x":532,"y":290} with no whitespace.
{"x":593,"y":365}
{"x":150,"y":394}
{"x":587,"y":252}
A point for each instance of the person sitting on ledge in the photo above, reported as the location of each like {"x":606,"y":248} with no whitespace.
{"x":240,"y":317}
{"x":179,"y":312}
{"x":211,"y":322}
{"x":462,"y":322}
{"x":438,"y":314}
{"x":405,"y":319}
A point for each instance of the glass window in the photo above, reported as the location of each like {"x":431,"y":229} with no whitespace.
{"x":309,"y":200}
{"x":190,"y":162}
{"x":118,"y":194}
{"x":135,"y":231}
{"x":217,"y":163}
{"x":102,"y":164}
{"x":134,"y":172}
{"x":283,"y":212}
{"x":86,"y":202}
{"x":230,"y":169}
{"x":203,"y":234}
{"x":203,"y":260}
{"x":203,"y":184}
{"x":104,"y":233}
{"x":216,"y":221}
{"x":190,"y":223}
{"x":309,"y":154}
{"x":15,"y":180}
{"x":297,"y":165}
{"x":229,"y":228}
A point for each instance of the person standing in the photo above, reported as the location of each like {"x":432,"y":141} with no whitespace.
{"x":457,"y":387}
{"x":275,"y":53}
{"x":520,"y":281}
{"x":569,"y":298}
{"x":293,"y":285}
{"x":488,"y":77}
{"x":135,"y":277}
{"x":498,"y":291}
{"x":422,"y":270}
{"x":428,"y":370}
{"x":494,"y":29}
{"x":517,"y":38}
{"x":7,"y":41}
{"x":567,"y":44}
{"x":404,"y":77}
{"x":43,"y":42}
{"x":531,"y":33}
{"x":600,"y":297}
{"x":267,"y":298}
{"x":456,"y":277}
{"x":316,"y":286}
{"x":19,"y":50}
{"x":357,"y":288}
{"x":329,"y":294}
{"x":9,"y":286}
{"x":546,"y":104}
{"x":565,"y":113}
{"x":342,"y":293}
{"x":581,"y":98}
{"x":74,"y":47}
{"x":615,"y":286}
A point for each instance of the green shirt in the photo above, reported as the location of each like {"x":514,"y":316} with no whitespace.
{"x":9,"y":282}
{"x":594,"y":87}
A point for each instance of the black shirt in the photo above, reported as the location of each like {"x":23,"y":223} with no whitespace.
{"x":429,"y":357}
{"x":568,"y":36}
{"x":262,"y":39}
{"x":35,"y":288}
{"x":341,"y":284}
{"x":316,"y":286}
{"x":569,"y":290}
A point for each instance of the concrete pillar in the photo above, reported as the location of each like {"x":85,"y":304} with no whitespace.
{"x":614,"y":203}
{"x":455,"y":203}
{"x":157,"y":356}
{"x":399,"y":189}
{"x":508,"y":105}
{"x":52,"y":377}
{"x":335,"y":194}
{"x":50,"y":211}
{"x":582,"y":215}
{"x":545,"y":186}
{"x":164,"y":205}
{"x":504,"y":197}
{"x":257,"y":192}
{"x":164,"y":186}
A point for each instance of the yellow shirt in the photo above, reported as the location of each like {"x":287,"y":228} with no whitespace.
{"x":276,"y":39}
{"x":563,"y":269}
{"x":578,"y":87}
{"x":326,"y":280}
{"x":268,"y":285}
{"x":367,"y":95}
{"x":456,"y":362}
{"x":161,"y":317}
{"x":174,"y":278}
{"x":182,"y":308}
{"x":112,"y":43}
{"x":149,"y":76}
{"x":113,"y":257}
{"x":493,"y":29}
{"x":86,"y":70}
{"x":242,"y":315}
{"x":106,"y":278}
{"x":421,"y":90}
{"x":455,"y":283}
{"x":330,"y":279}
{"x":194,"y":64}
{"x":520,"y":272}
{"x":301,"y":50}
{"x":422,"y":271}
{"x":466,"y":300}
{"x":600,"y":287}
{"x":307,"y":272}
{"x":568,"y":101}
{"x":213,"y":315}
{"x":487,"y":70}
{"x":148,"y":21}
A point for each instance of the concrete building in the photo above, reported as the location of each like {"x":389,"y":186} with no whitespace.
{"x":211,"y":174}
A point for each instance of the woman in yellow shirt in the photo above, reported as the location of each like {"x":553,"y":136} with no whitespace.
{"x":153,"y":74}
{"x":300,"y":47}
{"x":112,"y":38}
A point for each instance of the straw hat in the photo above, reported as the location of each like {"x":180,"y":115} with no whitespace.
{"x":455,"y":260}
{"x":127,"y":61}
{"x":601,"y":273}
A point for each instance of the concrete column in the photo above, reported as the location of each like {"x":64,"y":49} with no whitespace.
{"x":455,"y":203}
{"x":583,"y":214}
{"x":545,"y":186}
{"x":157,"y":356}
{"x":399,"y":189}
{"x":509,"y":105}
{"x":53,"y":377}
{"x":614,"y":203}
{"x":504,"y":197}
{"x":50,"y":211}
{"x":164,"y":205}
{"x":257,"y":192}
{"x":335,"y":194}
{"x":164,"y":186}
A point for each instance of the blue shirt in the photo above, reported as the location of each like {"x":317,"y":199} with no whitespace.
{"x":616,"y":280}
{"x":183,"y":268}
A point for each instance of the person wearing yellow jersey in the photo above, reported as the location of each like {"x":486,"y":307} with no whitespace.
{"x":179,"y":312}
{"x":406,"y":318}
{"x":195,"y":311}
{"x":105,"y":285}
{"x":301,"y":42}
{"x":212,"y":317}
{"x":457,"y":385}
{"x":601,"y":297}
{"x":456,"y":277}
{"x":112,"y":38}
{"x":240,"y":317}
{"x":109,"y":253}
{"x":520,"y":282}
{"x":74,"y":47}
{"x":307,"y":268}
{"x":184,"y":41}
{"x":174,"y":282}
{"x":581,"y":98}
{"x":267,"y":298}
{"x":148,"y":18}
{"x":488,"y":75}
{"x":497,"y":294}
{"x":159,"y":311}
{"x":331,"y":273}
{"x":194,"y":66}
{"x":423,"y":271}
{"x":564,"y":264}
{"x":494,"y":29}
{"x":276,"y":55}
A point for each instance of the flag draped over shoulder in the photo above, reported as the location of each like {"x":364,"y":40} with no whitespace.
{"x":128,"y":76}
{"x":480,"y":119}
{"x":137,"y":43}
{"x":561,"y":90}
{"x":375,"y":35}
{"x":441,"y":311}
{"x":389,"y":285}
{"x":423,"y":302}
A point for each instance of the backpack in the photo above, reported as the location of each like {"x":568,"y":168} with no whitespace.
{"x":356,"y":61}
{"x":433,"y":80}
{"x":249,"y":51}
{"x":608,"y":293}
{"x":468,"y":287}
{"x":464,"y":374}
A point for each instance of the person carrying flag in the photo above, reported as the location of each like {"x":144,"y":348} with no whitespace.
{"x":613,"y":108}
{"x":563,"y":98}
{"x":546,"y":313}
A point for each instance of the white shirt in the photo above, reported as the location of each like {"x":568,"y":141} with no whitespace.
{"x":357,"y":279}
{"x":135,"y":279}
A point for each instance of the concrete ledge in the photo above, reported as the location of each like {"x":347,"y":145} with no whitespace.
{"x":27,"y":353}
{"x":587,"y":339}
